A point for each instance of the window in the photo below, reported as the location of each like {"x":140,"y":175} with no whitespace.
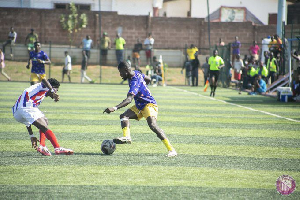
{"x":67,"y":6}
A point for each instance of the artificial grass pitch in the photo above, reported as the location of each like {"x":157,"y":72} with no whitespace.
{"x":224,"y":151}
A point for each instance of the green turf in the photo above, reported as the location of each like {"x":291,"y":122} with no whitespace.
{"x":225,"y":151}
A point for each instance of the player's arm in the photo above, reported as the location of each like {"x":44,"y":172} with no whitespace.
{"x":52,"y":91}
{"x":28,"y":63}
{"x":124,"y":103}
{"x":33,"y":139}
{"x":147,"y":79}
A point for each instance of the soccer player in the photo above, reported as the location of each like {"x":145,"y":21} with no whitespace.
{"x":39,"y":58}
{"x":215,"y":64}
{"x":145,"y":106}
{"x":26,"y":111}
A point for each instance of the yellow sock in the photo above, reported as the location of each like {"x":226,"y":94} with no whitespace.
{"x":126,"y":132}
{"x":167,"y":144}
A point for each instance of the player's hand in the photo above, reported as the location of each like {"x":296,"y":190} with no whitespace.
{"x":34,"y":141}
{"x":109,"y":110}
{"x":54,"y":96}
{"x":27,"y":66}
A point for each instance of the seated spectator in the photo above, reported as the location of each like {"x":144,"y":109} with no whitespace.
{"x":254,"y":50}
{"x":259,"y":86}
{"x":157,"y":73}
{"x":263,"y":71}
{"x":251,"y":72}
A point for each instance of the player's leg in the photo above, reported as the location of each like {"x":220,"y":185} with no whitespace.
{"x":34,"y":78}
{"x":212,"y":82}
{"x":125,"y":124}
{"x":216,"y":82}
{"x":152,"y":123}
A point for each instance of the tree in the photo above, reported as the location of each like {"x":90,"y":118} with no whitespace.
{"x":73,"y":24}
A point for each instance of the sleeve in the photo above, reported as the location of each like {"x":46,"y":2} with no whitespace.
{"x":221,"y":61}
{"x":45,"y":56}
{"x":133,"y":87}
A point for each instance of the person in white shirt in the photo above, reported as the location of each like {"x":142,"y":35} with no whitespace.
{"x":67,"y":68}
{"x":149,"y":41}
{"x":238,"y":65}
{"x":264,"y":47}
{"x":12,"y":36}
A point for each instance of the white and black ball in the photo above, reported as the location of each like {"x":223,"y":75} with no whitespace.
{"x":108,"y":147}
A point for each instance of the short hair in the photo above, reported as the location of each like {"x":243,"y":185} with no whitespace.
{"x":53,"y":82}
{"x":66,"y":52}
{"x":36,"y":43}
{"x":124,"y":64}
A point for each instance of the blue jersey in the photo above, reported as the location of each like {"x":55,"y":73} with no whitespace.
{"x":138,"y":87}
{"x":38,"y":68}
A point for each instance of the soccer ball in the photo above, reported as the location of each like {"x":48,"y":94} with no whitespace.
{"x":108,"y":147}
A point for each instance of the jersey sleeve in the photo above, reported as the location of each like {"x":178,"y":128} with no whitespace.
{"x":134,"y":86}
{"x":45,"y":56}
{"x":221,"y":61}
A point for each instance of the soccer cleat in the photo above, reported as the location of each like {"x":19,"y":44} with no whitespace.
{"x":172,"y":153}
{"x":44,"y":151}
{"x":213,"y":94}
{"x":64,"y":151}
{"x":122,"y":140}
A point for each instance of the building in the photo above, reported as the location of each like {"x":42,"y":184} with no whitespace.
{"x":265,"y":13}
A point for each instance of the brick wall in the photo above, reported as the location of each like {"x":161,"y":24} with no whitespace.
{"x":168,"y":32}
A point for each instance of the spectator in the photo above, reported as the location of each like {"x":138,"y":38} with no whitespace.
{"x":188,"y":72}
{"x":272,"y":66}
{"x":236,"y":45}
{"x":205,"y":69}
{"x":254,"y":50}
{"x":2,"y":65}
{"x":296,"y":86}
{"x":38,"y":58}
{"x":67,"y":68}
{"x":263,"y":71}
{"x":278,"y":46}
{"x":84,"y":67}
{"x":32,"y":38}
{"x":221,"y":43}
{"x":237,"y":68}
{"x":120,"y":43}
{"x":259,"y":86}
{"x":87,"y":45}
{"x":266,"y":57}
{"x":12,"y":36}
{"x":265,"y":47}
{"x":105,"y":44}
{"x":136,"y":54}
{"x":157,"y":73}
{"x":195,"y":69}
{"x":149,"y":41}
{"x":244,"y":76}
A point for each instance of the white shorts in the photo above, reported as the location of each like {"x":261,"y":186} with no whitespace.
{"x":28,"y":115}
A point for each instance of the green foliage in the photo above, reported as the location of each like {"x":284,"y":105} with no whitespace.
{"x":72,"y":24}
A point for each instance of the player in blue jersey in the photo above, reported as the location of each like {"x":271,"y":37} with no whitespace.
{"x":145,"y":106}
{"x":38,"y":58}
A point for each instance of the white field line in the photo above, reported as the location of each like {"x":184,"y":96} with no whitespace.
{"x":245,"y":107}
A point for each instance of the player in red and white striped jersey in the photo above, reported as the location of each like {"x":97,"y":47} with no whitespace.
{"x":26,"y":111}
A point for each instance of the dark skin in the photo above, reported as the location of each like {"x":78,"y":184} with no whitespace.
{"x":42,"y":123}
{"x":127,"y":73}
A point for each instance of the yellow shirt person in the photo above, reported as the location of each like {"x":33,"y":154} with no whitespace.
{"x":191,"y":52}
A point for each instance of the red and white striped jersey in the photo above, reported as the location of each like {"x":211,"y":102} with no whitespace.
{"x":31,"y":97}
